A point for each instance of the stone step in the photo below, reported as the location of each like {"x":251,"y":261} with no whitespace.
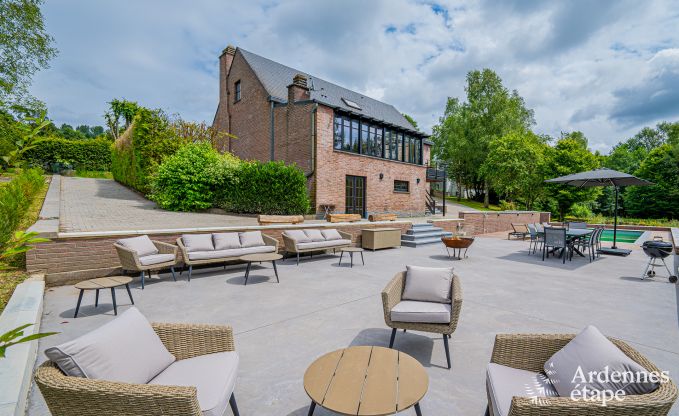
{"x":419,"y":225}
{"x":422,"y":235}
{"x":423,"y":241}
{"x":421,"y":230}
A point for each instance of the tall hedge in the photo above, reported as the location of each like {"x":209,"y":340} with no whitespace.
{"x":266,"y":188}
{"x":139,"y":151}
{"x":94,"y":154}
{"x":15,"y":198}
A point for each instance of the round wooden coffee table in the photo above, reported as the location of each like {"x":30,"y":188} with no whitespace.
{"x":364,"y":381}
{"x":111,"y":282}
{"x":351,"y":251}
{"x":260,"y":257}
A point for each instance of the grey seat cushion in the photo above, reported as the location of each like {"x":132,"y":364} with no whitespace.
{"x":314,"y":235}
{"x":226,"y":241}
{"x":504,"y":383}
{"x":197,"y":242}
{"x":298,"y":236}
{"x":421,"y":312}
{"x":237,"y":252}
{"x":142,"y":245}
{"x":156,"y":259}
{"x":323,"y":244}
{"x":213,"y":375}
{"x":251,"y":239}
{"x":331,"y":234}
{"x":126,"y":349}
{"x":591,"y":351}
{"x":428,"y":284}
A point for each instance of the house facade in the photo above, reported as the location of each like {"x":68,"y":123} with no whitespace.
{"x":359,"y":155}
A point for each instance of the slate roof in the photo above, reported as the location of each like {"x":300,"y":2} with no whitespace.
{"x":276,"y":77}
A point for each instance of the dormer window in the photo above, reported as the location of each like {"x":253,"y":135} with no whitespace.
{"x":236,"y":88}
{"x":351,"y":104}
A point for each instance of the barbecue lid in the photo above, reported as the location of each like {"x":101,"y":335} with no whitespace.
{"x":657,"y":244}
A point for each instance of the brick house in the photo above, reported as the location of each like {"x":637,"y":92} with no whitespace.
{"x":359,"y":155}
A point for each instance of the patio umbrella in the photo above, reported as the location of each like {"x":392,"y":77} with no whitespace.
{"x":604,"y":177}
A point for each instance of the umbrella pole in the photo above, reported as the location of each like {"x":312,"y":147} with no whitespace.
{"x":615,"y":220}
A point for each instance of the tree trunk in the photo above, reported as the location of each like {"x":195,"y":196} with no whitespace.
{"x":486,"y":196}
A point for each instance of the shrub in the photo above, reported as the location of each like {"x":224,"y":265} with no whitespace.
{"x":580,"y":211}
{"x":15,"y":198}
{"x":507,"y":205}
{"x":92,"y":154}
{"x":266,"y":188}
{"x":187,"y":180}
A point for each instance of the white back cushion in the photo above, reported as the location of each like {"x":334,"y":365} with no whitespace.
{"x":314,"y":235}
{"x":198,"y":242}
{"x":298,"y":235}
{"x":251,"y":239}
{"x":226,"y":241}
{"x":331,"y":234}
{"x":142,"y":245}
{"x":127,"y":350}
{"x":428,"y":284}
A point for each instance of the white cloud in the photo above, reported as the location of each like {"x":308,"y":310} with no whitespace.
{"x":593,"y":66}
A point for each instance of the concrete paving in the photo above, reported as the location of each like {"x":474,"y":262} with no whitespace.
{"x":319,"y":307}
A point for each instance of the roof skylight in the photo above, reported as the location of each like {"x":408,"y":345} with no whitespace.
{"x":351,"y":104}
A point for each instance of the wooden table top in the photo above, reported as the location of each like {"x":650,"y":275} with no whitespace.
{"x":355,"y":249}
{"x":366,"y":381}
{"x":261,"y":257}
{"x":103,"y":282}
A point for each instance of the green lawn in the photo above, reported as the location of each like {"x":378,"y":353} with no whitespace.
{"x":473,"y":204}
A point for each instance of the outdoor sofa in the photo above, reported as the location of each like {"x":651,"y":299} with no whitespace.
{"x":310,"y":240}
{"x":132,"y":367}
{"x":199,"y":249}
{"x":141,"y":254}
{"x":423,"y":299}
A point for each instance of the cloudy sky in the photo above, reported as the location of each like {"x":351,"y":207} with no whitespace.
{"x":606,"y":68}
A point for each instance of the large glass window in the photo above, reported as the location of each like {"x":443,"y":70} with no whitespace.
{"x":236,"y":87}
{"x":354,"y":136}
{"x":338,"y":132}
{"x":365,"y":139}
{"x":399,"y":146}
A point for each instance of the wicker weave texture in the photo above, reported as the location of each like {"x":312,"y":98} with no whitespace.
{"x":269,"y":241}
{"x":129,"y":260}
{"x":75,"y":396}
{"x":291,"y":246}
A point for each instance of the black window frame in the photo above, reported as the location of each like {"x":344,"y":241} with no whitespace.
{"x":237,"y":91}
{"x":400,"y":185}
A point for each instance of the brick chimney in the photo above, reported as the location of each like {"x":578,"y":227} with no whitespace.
{"x":298,"y":90}
{"x":225,"y":61}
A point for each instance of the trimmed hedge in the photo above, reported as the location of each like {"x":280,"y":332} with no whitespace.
{"x":136,"y":155}
{"x":94,"y":154}
{"x":15,"y":198}
{"x":266,"y":188}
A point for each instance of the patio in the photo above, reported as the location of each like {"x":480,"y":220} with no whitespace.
{"x":319,"y":307}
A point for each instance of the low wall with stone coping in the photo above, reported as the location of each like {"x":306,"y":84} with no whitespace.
{"x":486,"y":222}
{"x":72,"y":257}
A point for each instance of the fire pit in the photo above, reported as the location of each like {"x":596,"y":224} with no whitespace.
{"x":457,"y":243}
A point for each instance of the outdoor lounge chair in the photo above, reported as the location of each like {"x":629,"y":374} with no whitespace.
{"x":141,"y":254}
{"x":310,"y":240}
{"x":520,"y":230}
{"x":439,"y":317}
{"x":190,"y":370}
{"x":524,"y":354}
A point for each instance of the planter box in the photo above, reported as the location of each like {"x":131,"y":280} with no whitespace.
{"x":376,"y":238}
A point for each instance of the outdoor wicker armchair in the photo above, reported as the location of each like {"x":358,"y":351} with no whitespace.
{"x":530,"y":352}
{"x":393,"y":294}
{"x":166,"y":257}
{"x":77,"y":396}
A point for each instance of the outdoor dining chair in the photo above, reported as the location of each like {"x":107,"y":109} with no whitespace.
{"x":589,"y":243}
{"x":555,"y":238}
{"x":535,"y":238}
{"x":576,"y":225}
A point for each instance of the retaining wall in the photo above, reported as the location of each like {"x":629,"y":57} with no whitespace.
{"x":485,"y":222}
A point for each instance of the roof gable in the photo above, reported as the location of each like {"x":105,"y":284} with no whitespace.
{"x":276,"y":77}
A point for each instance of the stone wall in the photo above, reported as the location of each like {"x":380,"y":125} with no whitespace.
{"x":485,"y":222}
{"x":73,"y":257}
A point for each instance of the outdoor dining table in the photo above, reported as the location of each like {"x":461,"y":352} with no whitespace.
{"x":572,"y":234}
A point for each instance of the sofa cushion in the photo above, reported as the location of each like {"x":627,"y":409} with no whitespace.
{"x":197,"y":242}
{"x":251,"y":239}
{"x":226,"y":241}
{"x":591,"y":351}
{"x":331,"y":234}
{"x":323,"y":244}
{"x":298,"y":236}
{"x":142,"y":245}
{"x":314,"y":235}
{"x":236,"y":252}
{"x":503,"y":383}
{"x":156,"y":259}
{"x":126,"y":349}
{"x":213,"y":375}
{"x":428,"y":284}
{"x":423,"y":312}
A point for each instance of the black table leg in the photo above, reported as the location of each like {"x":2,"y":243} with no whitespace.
{"x":275,"y":270}
{"x":247,"y":272}
{"x":362,"y":259}
{"x":351,"y":256}
{"x":77,"y":307}
{"x":113,"y":296}
{"x":96,"y":299}
{"x":127,"y":286}
{"x":312,"y":408}
{"x":417,"y":409}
